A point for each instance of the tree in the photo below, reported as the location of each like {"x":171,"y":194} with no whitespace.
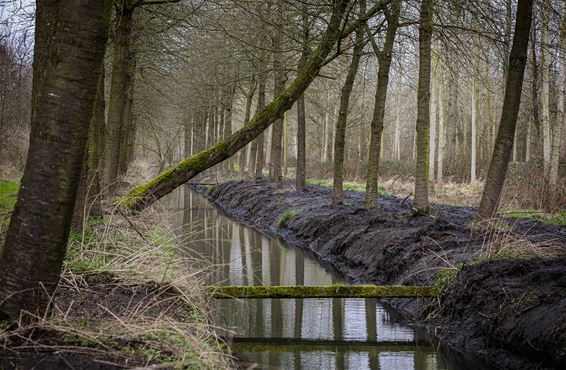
{"x":340,"y":137}
{"x":423,"y":108}
{"x":559,"y":126}
{"x":120,"y":126}
{"x":301,"y":169}
{"x":74,"y":35}
{"x":511,"y":103}
{"x":384,"y":57}
{"x":119,"y":91}
{"x":141,"y":196}
{"x":275,"y":168}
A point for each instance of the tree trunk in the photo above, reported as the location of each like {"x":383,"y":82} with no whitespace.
{"x":397,"y":131}
{"x":441,"y":134}
{"x":227,"y":111}
{"x":474,"y":135}
{"x":88,"y":201}
{"x":376,"y":135}
{"x":559,"y":127}
{"x":511,"y":103}
{"x":257,"y":145}
{"x":243,"y":152}
{"x":545,"y":81}
{"x":118,"y":96}
{"x":36,"y":241}
{"x":535,"y":94}
{"x":275,"y":168}
{"x":128,"y":128}
{"x":143,"y":195}
{"x":340,"y":138}
{"x":423,"y":108}
{"x":301,"y":169}
{"x":433,"y":119}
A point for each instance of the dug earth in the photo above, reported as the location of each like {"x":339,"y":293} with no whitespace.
{"x":502,"y":287}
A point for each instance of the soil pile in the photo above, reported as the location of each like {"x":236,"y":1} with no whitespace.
{"x":388,"y":245}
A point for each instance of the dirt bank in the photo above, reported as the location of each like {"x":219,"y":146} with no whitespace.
{"x":504,"y":291}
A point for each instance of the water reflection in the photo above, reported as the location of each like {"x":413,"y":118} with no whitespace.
{"x":293,"y":333}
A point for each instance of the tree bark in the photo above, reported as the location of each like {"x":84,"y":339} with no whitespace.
{"x":559,"y":127}
{"x":423,"y":108}
{"x":433,"y":120}
{"x":258,"y":143}
{"x":545,"y":91}
{"x":88,"y":201}
{"x":31,"y":260}
{"x":118,"y":96}
{"x":301,"y":168}
{"x":275,"y":168}
{"x":143,"y":195}
{"x":340,"y":135}
{"x":441,"y":134}
{"x":243,"y":162}
{"x":511,"y":103}
{"x":474,"y":134}
{"x":375,"y":147}
{"x":128,"y":125}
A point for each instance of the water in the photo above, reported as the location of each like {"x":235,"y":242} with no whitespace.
{"x":296,"y":333}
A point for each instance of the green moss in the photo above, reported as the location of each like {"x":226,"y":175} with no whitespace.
{"x":328,"y":291}
{"x":209,"y":188}
{"x":445,"y":279}
{"x":351,"y":186}
{"x":286,"y":216}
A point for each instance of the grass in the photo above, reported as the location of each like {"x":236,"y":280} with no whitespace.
{"x":126,"y":297}
{"x":8,"y":195}
{"x":348,"y":185}
{"x":558,"y":219}
{"x":286,"y":216}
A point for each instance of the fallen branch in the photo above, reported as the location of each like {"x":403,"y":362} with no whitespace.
{"x":330,"y":291}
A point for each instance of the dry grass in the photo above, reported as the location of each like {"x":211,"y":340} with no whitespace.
{"x":126,"y":298}
{"x":502,"y":240}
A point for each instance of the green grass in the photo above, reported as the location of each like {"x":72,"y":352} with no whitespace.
{"x":286,"y":216}
{"x":445,"y":279}
{"x":8,"y":195}
{"x":348,"y":185}
{"x":558,"y":218}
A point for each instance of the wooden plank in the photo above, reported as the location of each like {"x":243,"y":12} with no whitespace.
{"x":328,"y":291}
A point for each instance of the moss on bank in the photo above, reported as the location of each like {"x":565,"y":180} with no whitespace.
{"x":286,"y":216}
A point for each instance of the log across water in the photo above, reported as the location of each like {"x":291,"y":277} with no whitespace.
{"x":328,"y":291}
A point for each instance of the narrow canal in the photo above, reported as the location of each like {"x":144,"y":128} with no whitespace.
{"x":295,"y":333}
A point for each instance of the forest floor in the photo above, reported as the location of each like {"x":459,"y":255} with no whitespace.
{"x":502,"y":284}
{"x":125,"y":300}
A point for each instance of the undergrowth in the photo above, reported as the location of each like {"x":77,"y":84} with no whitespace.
{"x":127,"y":297}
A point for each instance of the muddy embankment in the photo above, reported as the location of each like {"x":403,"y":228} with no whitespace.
{"x":509,"y":309}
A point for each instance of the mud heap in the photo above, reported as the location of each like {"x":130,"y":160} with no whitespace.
{"x":503,"y":293}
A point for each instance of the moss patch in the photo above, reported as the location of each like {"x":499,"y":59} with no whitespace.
{"x":286,"y":216}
